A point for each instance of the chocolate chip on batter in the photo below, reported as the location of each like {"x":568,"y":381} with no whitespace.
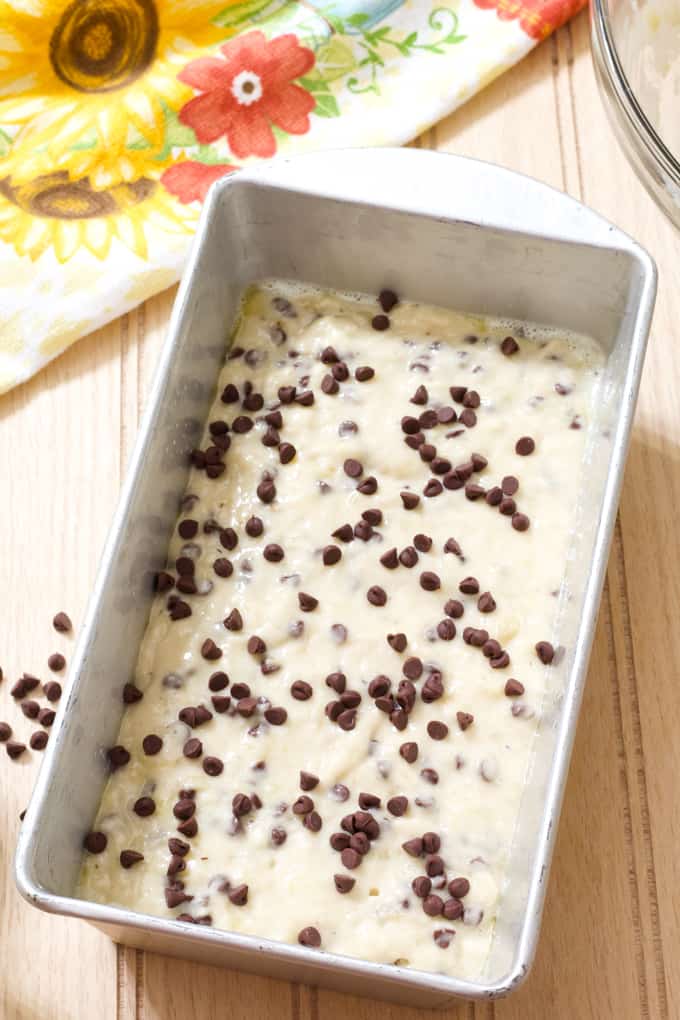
{"x":524,"y":446}
{"x":500,"y":661}
{"x":241,"y":804}
{"x":364,"y":373}
{"x":408,"y":557}
{"x":413,"y":847}
{"x":433,"y":488}
{"x":144,"y":807}
{"x":163,"y":581}
{"x":118,"y":756}
{"x":380,"y":323}
{"x":193,"y":748}
{"x":238,"y":895}
{"x":429,"y":581}
{"x":507,"y":506}
{"x":131,"y":694}
{"x":520,"y":522}
{"x":453,"y":909}
{"x":246,"y":706}
{"x":62,"y":623}
{"x":5,"y":732}
{"x":130,"y":857}
{"x":254,"y":527}
{"x":301,"y":690}
{"x":310,"y":937}
{"x":509,"y":485}
{"x":46,"y":717}
{"x":276,"y":716}
{"x":307,"y":602}
{"x":397,"y":806}
{"x":184,"y":809}
{"x":421,"y":886}
{"x":95,"y":842}
{"x":38,"y":741}
{"x":379,"y":686}
{"x":545,"y":652}
{"x":56,"y":662}
{"x":187,"y":529}
{"x":390,"y":559}
{"x":343,"y":883}
{"x":430,"y":776}
{"x":428,"y":419}
{"x":458,"y":393}
{"x":437,"y":730}
{"x":469,"y":586}
{"x":446,"y":415}
{"x":486,"y":602}
{"x":420,"y":396}
{"x":433,"y":688}
{"x":179,"y":610}
{"x":353,"y":468}
{"x":368,"y":486}
{"x":468,"y":418}
{"x":350,"y":858}
{"x":410,"y":500}
{"x":152,"y":744}
{"x":509,"y":346}
{"x":446,"y":630}
{"x":221,"y":703}
{"x":210,"y":651}
{"x":275,"y":419}
{"x":513,"y":688}
{"x":266,"y":490}
{"x":30,"y":709}
{"x":494,"y":496}
{"x":397,"y":641}
{"x":212,"y":766}
{"x":223,"y":567}
{"x":413,"y":668}
{"x":387,"y":300}
{"x":273,"y":553}
{"x":234,"y":620}
{"x":347,"y":719}
{"x":286,"y":453}
{"x":376,"y":595}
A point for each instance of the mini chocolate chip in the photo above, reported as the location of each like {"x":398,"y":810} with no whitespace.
{"x":474,"y":491}
{"x":286,"y":453}
{"x":210,"y":651}
{"x":380,"y":322}
{"x":446,"y":630}
{"x":413,"y":668}
{"x":276,"y":716}
{"x":187,"y":528}
{"x":390,"y":559}
{"x":253,"y":402}
{"x":337,"y":682}
{"x":131,"y":694}
{"x":520,"y":522}
{"x":38,"y":740}
{"x":95,"y":842}
{"x":56,"y":662}
{"x":524,"y":446}
{"x":368,"y":486}
{"x":5,"y":732}
{"x":376,"y":595}
{"x":434,"y":865}
{"x":343,"y":883}
{"x":465,"y":719}
{"x":509,"y":346}
{"x":420,"y":396}
{"x":223,"y":567}
{"x":301,"y":690}
{"x":30,"y":709}
{"x":364,"y":373}
{"x":430,"y":776}
{"x":350,"y":858}
{"x":469,"y":586}
{"x":308,"y":781}
{"x":545,"y":652}
{"x":431,"y":843}
{"x":409,"y":751}
{"x":509,"y":485}
{"x":421,"y":886}
{"x":513,"y":688}
{"x":387,"y":299}
{"x":144,"y":807}
{"x":379,"y":686}
{"x":212,"y":766}
{"x":307,"y":602}
{"x":408,"y":557}
{"x":353,"y":468}
{"x":14,"y":749}
{"x":486,"y":602}
{"x":415,"y":441}
{"x":413,"y":847}
{"x":234,"y":620}
{"x":130,"y":857}
{"x":499,"y":661}
{"x":410,"y":500}
{"x":254,"y":527}
{"x":494,"y":496}
{"x":62,"y":623}
{"x":397,"y":806}
{"x":220,"y":703}
{"x":309,"y":937}
{"x":46,"y":716}
{"x":238,"y":895}
{"x":427,"y":452}
{"x":453,"y":909}
{"x":273,"y":553}
{"x":118,"y":756}
{"x":340,"y":372}
{"x":507,"y":506}
{"x":397,"y":641}
{"x":368,"y":800}
{"x":429,"y":581}
{"x":437,"y":730}
{"x":179,"y":610}
{"x":241,"y":804}
{"x":193,"y":748}
{"x":347,"y":719}
{"x":468,"y":418}
{"x":278,"y":836}
{"x":433,"y":488}
{"x":266,"y":490}
{"x":433,"y":688}
{"x":446,"y":415}
{"x":152,"y":744}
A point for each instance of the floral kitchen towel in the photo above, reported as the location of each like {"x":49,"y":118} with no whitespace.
{"x":117,"y":115}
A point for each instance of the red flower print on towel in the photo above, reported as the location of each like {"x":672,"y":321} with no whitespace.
{"x":189,"y":181}
{"x":246,"y":90}
{"x":538,"y":18}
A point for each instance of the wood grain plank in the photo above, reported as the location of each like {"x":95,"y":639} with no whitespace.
{"x":648,"y":697}
{"x":60,"y":467}
{"x":176,"y":991}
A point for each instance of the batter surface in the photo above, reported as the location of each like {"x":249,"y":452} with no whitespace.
{"x":331,"y":722}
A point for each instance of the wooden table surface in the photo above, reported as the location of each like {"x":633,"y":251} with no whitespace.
{"x":611,"y":937}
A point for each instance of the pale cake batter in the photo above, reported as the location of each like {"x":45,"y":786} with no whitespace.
{"x":345,"y":664}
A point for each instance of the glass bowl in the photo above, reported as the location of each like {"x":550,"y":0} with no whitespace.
{"x":636,"y":51}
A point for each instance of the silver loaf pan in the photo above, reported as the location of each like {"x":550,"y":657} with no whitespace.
{"x":439,"y":229}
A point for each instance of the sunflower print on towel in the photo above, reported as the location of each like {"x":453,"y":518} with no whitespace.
{"x":116,"y":116}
